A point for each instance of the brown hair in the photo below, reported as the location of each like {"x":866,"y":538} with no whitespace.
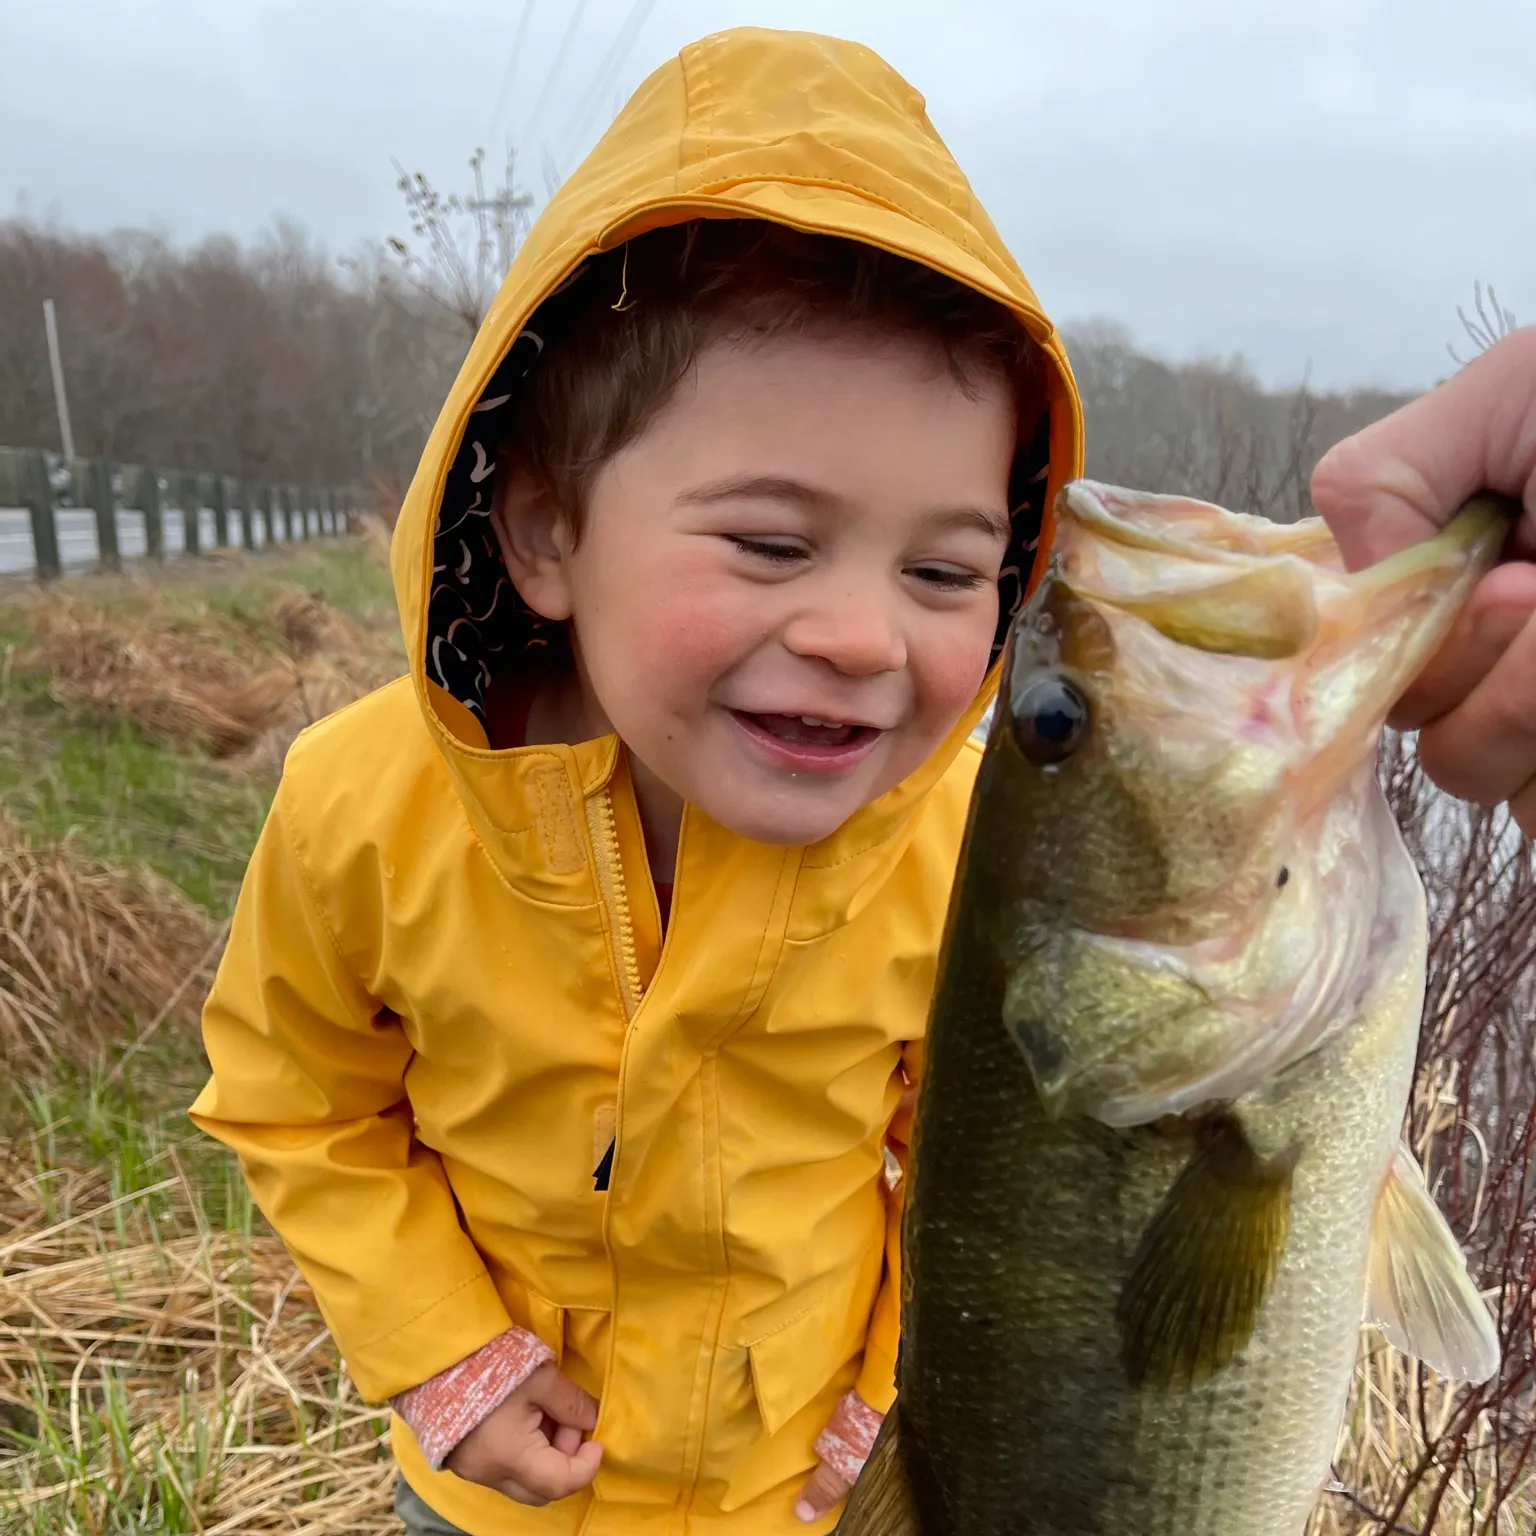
{"x":619,"y":340}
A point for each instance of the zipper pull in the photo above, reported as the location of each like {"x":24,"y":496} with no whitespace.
{"x":604,"y":1170}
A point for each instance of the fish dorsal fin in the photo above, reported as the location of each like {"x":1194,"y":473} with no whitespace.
{"x":881,"y":1502}
{"x":1206,"y":1263}
{"x":1420,"y":1294}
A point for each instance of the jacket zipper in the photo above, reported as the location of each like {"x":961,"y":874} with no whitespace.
{"x":610,"y":882}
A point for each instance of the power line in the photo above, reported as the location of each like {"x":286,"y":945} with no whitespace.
{"x":608,"y":71}
{"x":639,"y":14}
{"x":552,"y":176}
{"x":518,"y":39}
{"x":561,"y":53}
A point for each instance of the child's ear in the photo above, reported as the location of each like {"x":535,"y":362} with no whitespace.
{"x":535,"y":539}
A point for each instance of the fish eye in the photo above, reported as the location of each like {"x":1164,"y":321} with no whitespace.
{"x":1050,"y":719}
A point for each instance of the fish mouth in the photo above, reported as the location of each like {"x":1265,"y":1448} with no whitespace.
{"x":1223,"y":584}
{"x":1204,"y":577}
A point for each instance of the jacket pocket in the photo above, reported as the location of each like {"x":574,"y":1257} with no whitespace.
{"x":798,"y":1359}
{"x":536,"y":1313}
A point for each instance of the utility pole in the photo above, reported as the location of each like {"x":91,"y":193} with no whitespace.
{"x":60,"y":400}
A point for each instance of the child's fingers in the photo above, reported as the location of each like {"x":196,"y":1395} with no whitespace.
{"x":565,"y":1438}
{"x":1496,"y":613}
{"x":545,"y":1474}
{"x":1485,"y":749}
{"x":824,"y":1490}
{"x":1400,"y":479}
{"x":560,"y":1398}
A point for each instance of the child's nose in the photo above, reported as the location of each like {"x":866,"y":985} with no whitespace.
{"x":853,"y":631}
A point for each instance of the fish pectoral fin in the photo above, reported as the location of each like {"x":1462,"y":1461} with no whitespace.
{"x":1420,"y":1294}
{"x":1206,"y":1262}
{"x":881,"y":1502}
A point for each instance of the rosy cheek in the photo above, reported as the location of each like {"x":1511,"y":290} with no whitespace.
{"x":691,"y":641}
{"x":962,"y":686}
{"x":703,"y":626}
{"x":955,"y":668}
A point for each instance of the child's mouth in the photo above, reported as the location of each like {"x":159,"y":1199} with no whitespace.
{"x":802,"y":741}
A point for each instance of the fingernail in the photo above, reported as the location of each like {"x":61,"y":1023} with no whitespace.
{"x":805,"y":1511}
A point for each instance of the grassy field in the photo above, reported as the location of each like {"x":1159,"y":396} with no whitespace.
{"x":162,"y":1367}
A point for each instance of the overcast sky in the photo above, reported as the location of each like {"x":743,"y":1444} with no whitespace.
{"x":1306,"y":182}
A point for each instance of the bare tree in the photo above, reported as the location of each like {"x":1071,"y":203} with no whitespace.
{"x":1493,"y":321}
{"x":270,"y":360}
{"x":1206,"y":428}
{"x":461,"y":245}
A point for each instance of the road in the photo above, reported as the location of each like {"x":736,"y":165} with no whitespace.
{"x":77,"y":536}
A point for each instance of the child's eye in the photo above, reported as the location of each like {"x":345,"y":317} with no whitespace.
{"x":946,"y":578}
{"x":768,"y":549}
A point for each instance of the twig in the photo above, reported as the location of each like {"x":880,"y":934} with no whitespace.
{"x":148,"y":1032}
{"x":1337,"y":1490}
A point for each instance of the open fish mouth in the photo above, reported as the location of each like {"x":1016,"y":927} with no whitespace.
{"x":1232,"y":679}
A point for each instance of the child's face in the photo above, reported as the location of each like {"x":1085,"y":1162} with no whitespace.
{"x":810,"y":528}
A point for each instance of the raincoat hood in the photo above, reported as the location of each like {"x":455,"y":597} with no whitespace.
{"x":807,"y":131}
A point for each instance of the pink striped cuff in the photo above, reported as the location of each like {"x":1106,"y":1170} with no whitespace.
{"x":444,"y":1408}
{"x":849,"y":1437}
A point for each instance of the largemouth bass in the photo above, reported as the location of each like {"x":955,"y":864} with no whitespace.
{"x":1157,"y":1176}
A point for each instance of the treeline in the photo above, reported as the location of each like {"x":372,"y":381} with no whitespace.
{"x":275,"y":360}
{"x":1207,"y":428}
{"x":266,"y":361}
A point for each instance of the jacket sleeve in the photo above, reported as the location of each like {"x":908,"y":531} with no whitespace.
{"x":308,"y":1088}
{"x":877,"y":1376}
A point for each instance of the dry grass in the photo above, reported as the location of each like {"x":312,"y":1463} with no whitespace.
{"x":236,"y":689}
{"x":159,"y":1374}
{"x":85,"y":947}
{"x":1384,"y":1436}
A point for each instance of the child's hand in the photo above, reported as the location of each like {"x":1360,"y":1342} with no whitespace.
{"x":1399,"y":480}
{"x":824,"y":1490}
{"x":532,"y":1447}
{"x":842,"y":1448}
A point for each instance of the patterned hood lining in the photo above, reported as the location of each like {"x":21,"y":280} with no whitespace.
{"x":477,"y":625}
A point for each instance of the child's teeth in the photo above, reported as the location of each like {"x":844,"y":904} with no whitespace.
{"x":812,"y":720}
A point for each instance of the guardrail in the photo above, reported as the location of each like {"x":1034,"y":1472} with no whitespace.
{"x":58,"y":515}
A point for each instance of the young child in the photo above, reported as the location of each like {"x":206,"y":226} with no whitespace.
{"x":569,"y":1015}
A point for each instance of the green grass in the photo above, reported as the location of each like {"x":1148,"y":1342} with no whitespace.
{"x":126,"y":798}
{"x":356,"y":583}
{"x":132,"y":1128}
{"x":200,"y":1383}
{"x":68,"y":771}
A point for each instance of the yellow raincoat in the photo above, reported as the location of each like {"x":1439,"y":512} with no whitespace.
{"x":447,"y":993}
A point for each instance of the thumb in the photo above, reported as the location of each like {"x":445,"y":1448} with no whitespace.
{"x":1400,"y":479}
{"x":824,"y":1490}
{"x":560,"y":1398}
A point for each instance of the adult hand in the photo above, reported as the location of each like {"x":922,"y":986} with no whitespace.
{"x":1474,"y":706}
